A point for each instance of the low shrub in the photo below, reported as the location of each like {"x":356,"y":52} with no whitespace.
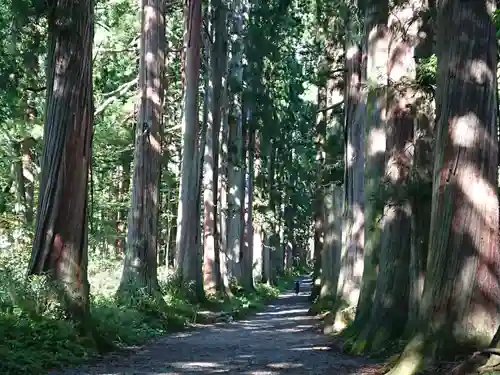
{"x":37,"y":337}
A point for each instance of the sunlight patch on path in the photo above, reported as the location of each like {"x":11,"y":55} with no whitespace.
{"x":285,"y":365}
{"x":277,"y":341}
{"x":312,"y":348}
{"x":195,"y":365}
{"x":283,"y":312}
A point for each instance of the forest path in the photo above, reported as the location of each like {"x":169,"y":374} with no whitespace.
{"x":281,"y":340}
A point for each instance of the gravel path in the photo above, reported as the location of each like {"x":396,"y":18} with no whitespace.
{"x":278,"y":341}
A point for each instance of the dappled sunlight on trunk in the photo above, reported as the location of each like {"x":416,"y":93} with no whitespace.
{"x":140,"y":264}
{"x":187,"y":240}
{"x":349,"y":257}
{"x":331,"y":267}
{"x":461,"y":297}
{"x":236,"y":150}
{"x":376,"y":142}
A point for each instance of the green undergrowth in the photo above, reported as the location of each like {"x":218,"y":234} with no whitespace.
{"x":302,"y":270}
{"x":239,"y":305}
{"x":332,"y":305}
{"x":37,"y":337}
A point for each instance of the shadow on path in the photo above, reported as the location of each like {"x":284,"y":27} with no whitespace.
{"x":279,"y":340}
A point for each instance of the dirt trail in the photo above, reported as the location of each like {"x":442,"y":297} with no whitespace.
{"x":278,"y":341}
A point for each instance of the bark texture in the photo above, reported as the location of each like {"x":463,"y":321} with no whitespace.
{"x":247,"y":214}
{"x":319,"y":225}
{"x":211,"y":244}
{"x":60,"y":242}
{"x":223,"y":174}
{"x":464,"y":224}
{"x":351,"y":256}
{"x":140,"y":265}
{"x":374,"y":75}
{"x":462,"y":292}
{"x":421,"y":178}
{"x":389,"y":311}
{"x":235,"y":150}
{"x":330,"y":266}
{"x":188,"y":257}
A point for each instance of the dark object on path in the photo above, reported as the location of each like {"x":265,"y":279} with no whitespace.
{"x":297,"y":287}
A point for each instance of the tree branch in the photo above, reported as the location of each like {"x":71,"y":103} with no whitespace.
{"x":333,"y":106}
{"x":339,"y":70}
{"x":35,"y":89}
{"x":207,"y":32}
{"x":113,"y":95}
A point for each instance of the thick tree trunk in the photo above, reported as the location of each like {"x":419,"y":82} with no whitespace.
{"x":257,"y":252}
{"x":140,"y":265}
{"x":235,"y":150}
{"x":288,"y":253}
{"x":351,"y":257}
{"x":247,"y":213}
{"x":266,"y":258}
{"x":421,"y":171}
{"x":235,"y":246}
{"x":211,"y":244}
{"x":257,"y":233}
{"x":60,"y":242}
{"x":242,"y":189}
{"x":330,"y":260}
{"x":275,"y":258}
{"x":375,"y":47}
{"x":389,"y":311}
{"x":205,"y":71}
{"x":280,"y":227}
{"x":223,"y":181}
{"x":464,"y":223}
{"x":272,"y":230}
{"x":196,"y":219}
{"x":319,"y":226}
{"x":268,"y":226}
{"x":187,"y":252}
{"x":123,"y":196}
{"x":461,"y":296}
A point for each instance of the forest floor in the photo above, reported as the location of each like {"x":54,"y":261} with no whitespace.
{"x":282,"y":339}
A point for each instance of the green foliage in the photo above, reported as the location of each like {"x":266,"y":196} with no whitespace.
{"x":417,"y":188}
{"x":301,"y":269}
{"x":496,"y":20}
{"x":242,"y":303}
{"x":32,"y":346}
{"x":278,"y":79}
{"x":426,"y":73}
{"x":38,"y":337}
{"x":323,"y":305}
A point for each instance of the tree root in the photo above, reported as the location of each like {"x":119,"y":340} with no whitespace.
{"x":477,"y":362}
{"x":494,"y":351}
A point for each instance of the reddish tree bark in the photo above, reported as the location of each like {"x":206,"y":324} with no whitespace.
{"x":461,"y":297}
{"x":60,"y":243}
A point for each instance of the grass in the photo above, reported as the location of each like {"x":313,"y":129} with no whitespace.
{"x":36,"y":337}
